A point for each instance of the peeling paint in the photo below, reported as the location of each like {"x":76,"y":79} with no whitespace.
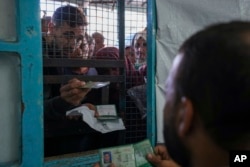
{"x":30,"y":31}
{"x":22,"y":107}
{"x":30,"y":67}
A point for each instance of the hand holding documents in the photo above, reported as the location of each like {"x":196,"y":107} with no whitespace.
{"x":107,"y":121}
{"x":95,"y":85}
{"x":106,"y":112}
{"x":131,"y":155}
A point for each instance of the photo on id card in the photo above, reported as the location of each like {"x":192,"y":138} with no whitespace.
{"x":132,"y":155}
{"x":120,"y":156}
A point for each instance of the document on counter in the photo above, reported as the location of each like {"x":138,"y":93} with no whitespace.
{"x":106,"y":112}
{"x":108,"y":120}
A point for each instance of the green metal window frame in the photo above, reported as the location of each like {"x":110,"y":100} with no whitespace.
{"x":28,"y":46}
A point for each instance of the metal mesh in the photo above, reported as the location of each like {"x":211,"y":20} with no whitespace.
{"x":102,"y":18}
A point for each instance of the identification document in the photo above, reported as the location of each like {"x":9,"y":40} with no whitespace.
{"x":106,"y":112}
{"x":107,"y":121}
{"x":132,"y":155}
{"x":95,"y":85}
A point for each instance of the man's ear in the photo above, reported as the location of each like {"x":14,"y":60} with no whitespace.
{"x":185,"y":117}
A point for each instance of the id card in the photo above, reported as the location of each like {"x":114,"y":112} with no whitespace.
{"x":95,"y":85}
{"x":106,"y":112}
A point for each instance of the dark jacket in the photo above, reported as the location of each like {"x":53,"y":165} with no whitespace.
{"x":61,"y":135}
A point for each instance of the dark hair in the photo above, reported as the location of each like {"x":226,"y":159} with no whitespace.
{"x":98,"y":34}
{"x":73,"y":16}
{"x":110,"y":156}
{"x":89,"y":39}
{"x":128,"y":47}
{"x":106,"y":53}
{"x":214,"y":74}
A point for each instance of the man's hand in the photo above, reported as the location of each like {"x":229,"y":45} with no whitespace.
{"x":73,"y":92}
{"x":79,"y":115}
{"x":161,"y":157}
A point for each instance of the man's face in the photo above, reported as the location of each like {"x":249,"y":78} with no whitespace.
{"x":175,"y":146}
{"x":106,"y":158}
{"x":66,"y":38}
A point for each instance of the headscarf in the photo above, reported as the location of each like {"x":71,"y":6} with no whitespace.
{"x":140,"y":34}
{"x":110,"y":53}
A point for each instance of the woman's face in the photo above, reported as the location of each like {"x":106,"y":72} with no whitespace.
{"x":140,"y":47}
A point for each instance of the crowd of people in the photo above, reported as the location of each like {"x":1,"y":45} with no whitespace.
{"x":206,"y":106}
{"x":66,"y":38}
{"x":206,"y":109}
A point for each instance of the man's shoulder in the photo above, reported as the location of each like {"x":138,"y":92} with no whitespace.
{"x":44,"y":36}
{"x":44,"y":43}
{"x":47,"y":45}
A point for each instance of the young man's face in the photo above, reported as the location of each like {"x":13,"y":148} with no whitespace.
{"x":175,"y":146}
{"x":107,"y":158}
{"x":66,"y":38}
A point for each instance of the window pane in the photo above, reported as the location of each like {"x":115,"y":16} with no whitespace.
{"x":8,"y":24}
{"x":10,"y":110}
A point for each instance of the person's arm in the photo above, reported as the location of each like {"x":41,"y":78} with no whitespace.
{"x":71,"y":95}
{"x":73,"y":92}
{"x":56,"y":108}
{"x":160,"y":158}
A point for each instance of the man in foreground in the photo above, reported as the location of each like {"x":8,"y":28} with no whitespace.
{"x":67,"y":25}
{"x":207,"y":99}
{"x":63,"y":40}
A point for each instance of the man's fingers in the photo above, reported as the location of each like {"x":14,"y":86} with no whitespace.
{"x":161,"y":150}
{"x":96,"y":165}
{"x":74,"y":96}
{"x":155,"y":160}
{"x":158,"y":162}
{"x":74,"y":92}
{"x":74,"y":83}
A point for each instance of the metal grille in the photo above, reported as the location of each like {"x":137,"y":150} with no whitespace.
{"x":135,"y":21}
{"x":103,"y":18}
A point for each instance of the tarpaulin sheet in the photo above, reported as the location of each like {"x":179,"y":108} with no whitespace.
{"x":176,"y":21}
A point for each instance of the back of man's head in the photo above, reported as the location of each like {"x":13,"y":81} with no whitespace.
{"x":215,"y":75}
{"x":71,"y":15}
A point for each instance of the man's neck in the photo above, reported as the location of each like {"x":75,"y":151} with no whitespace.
{"x":204,"y":151}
